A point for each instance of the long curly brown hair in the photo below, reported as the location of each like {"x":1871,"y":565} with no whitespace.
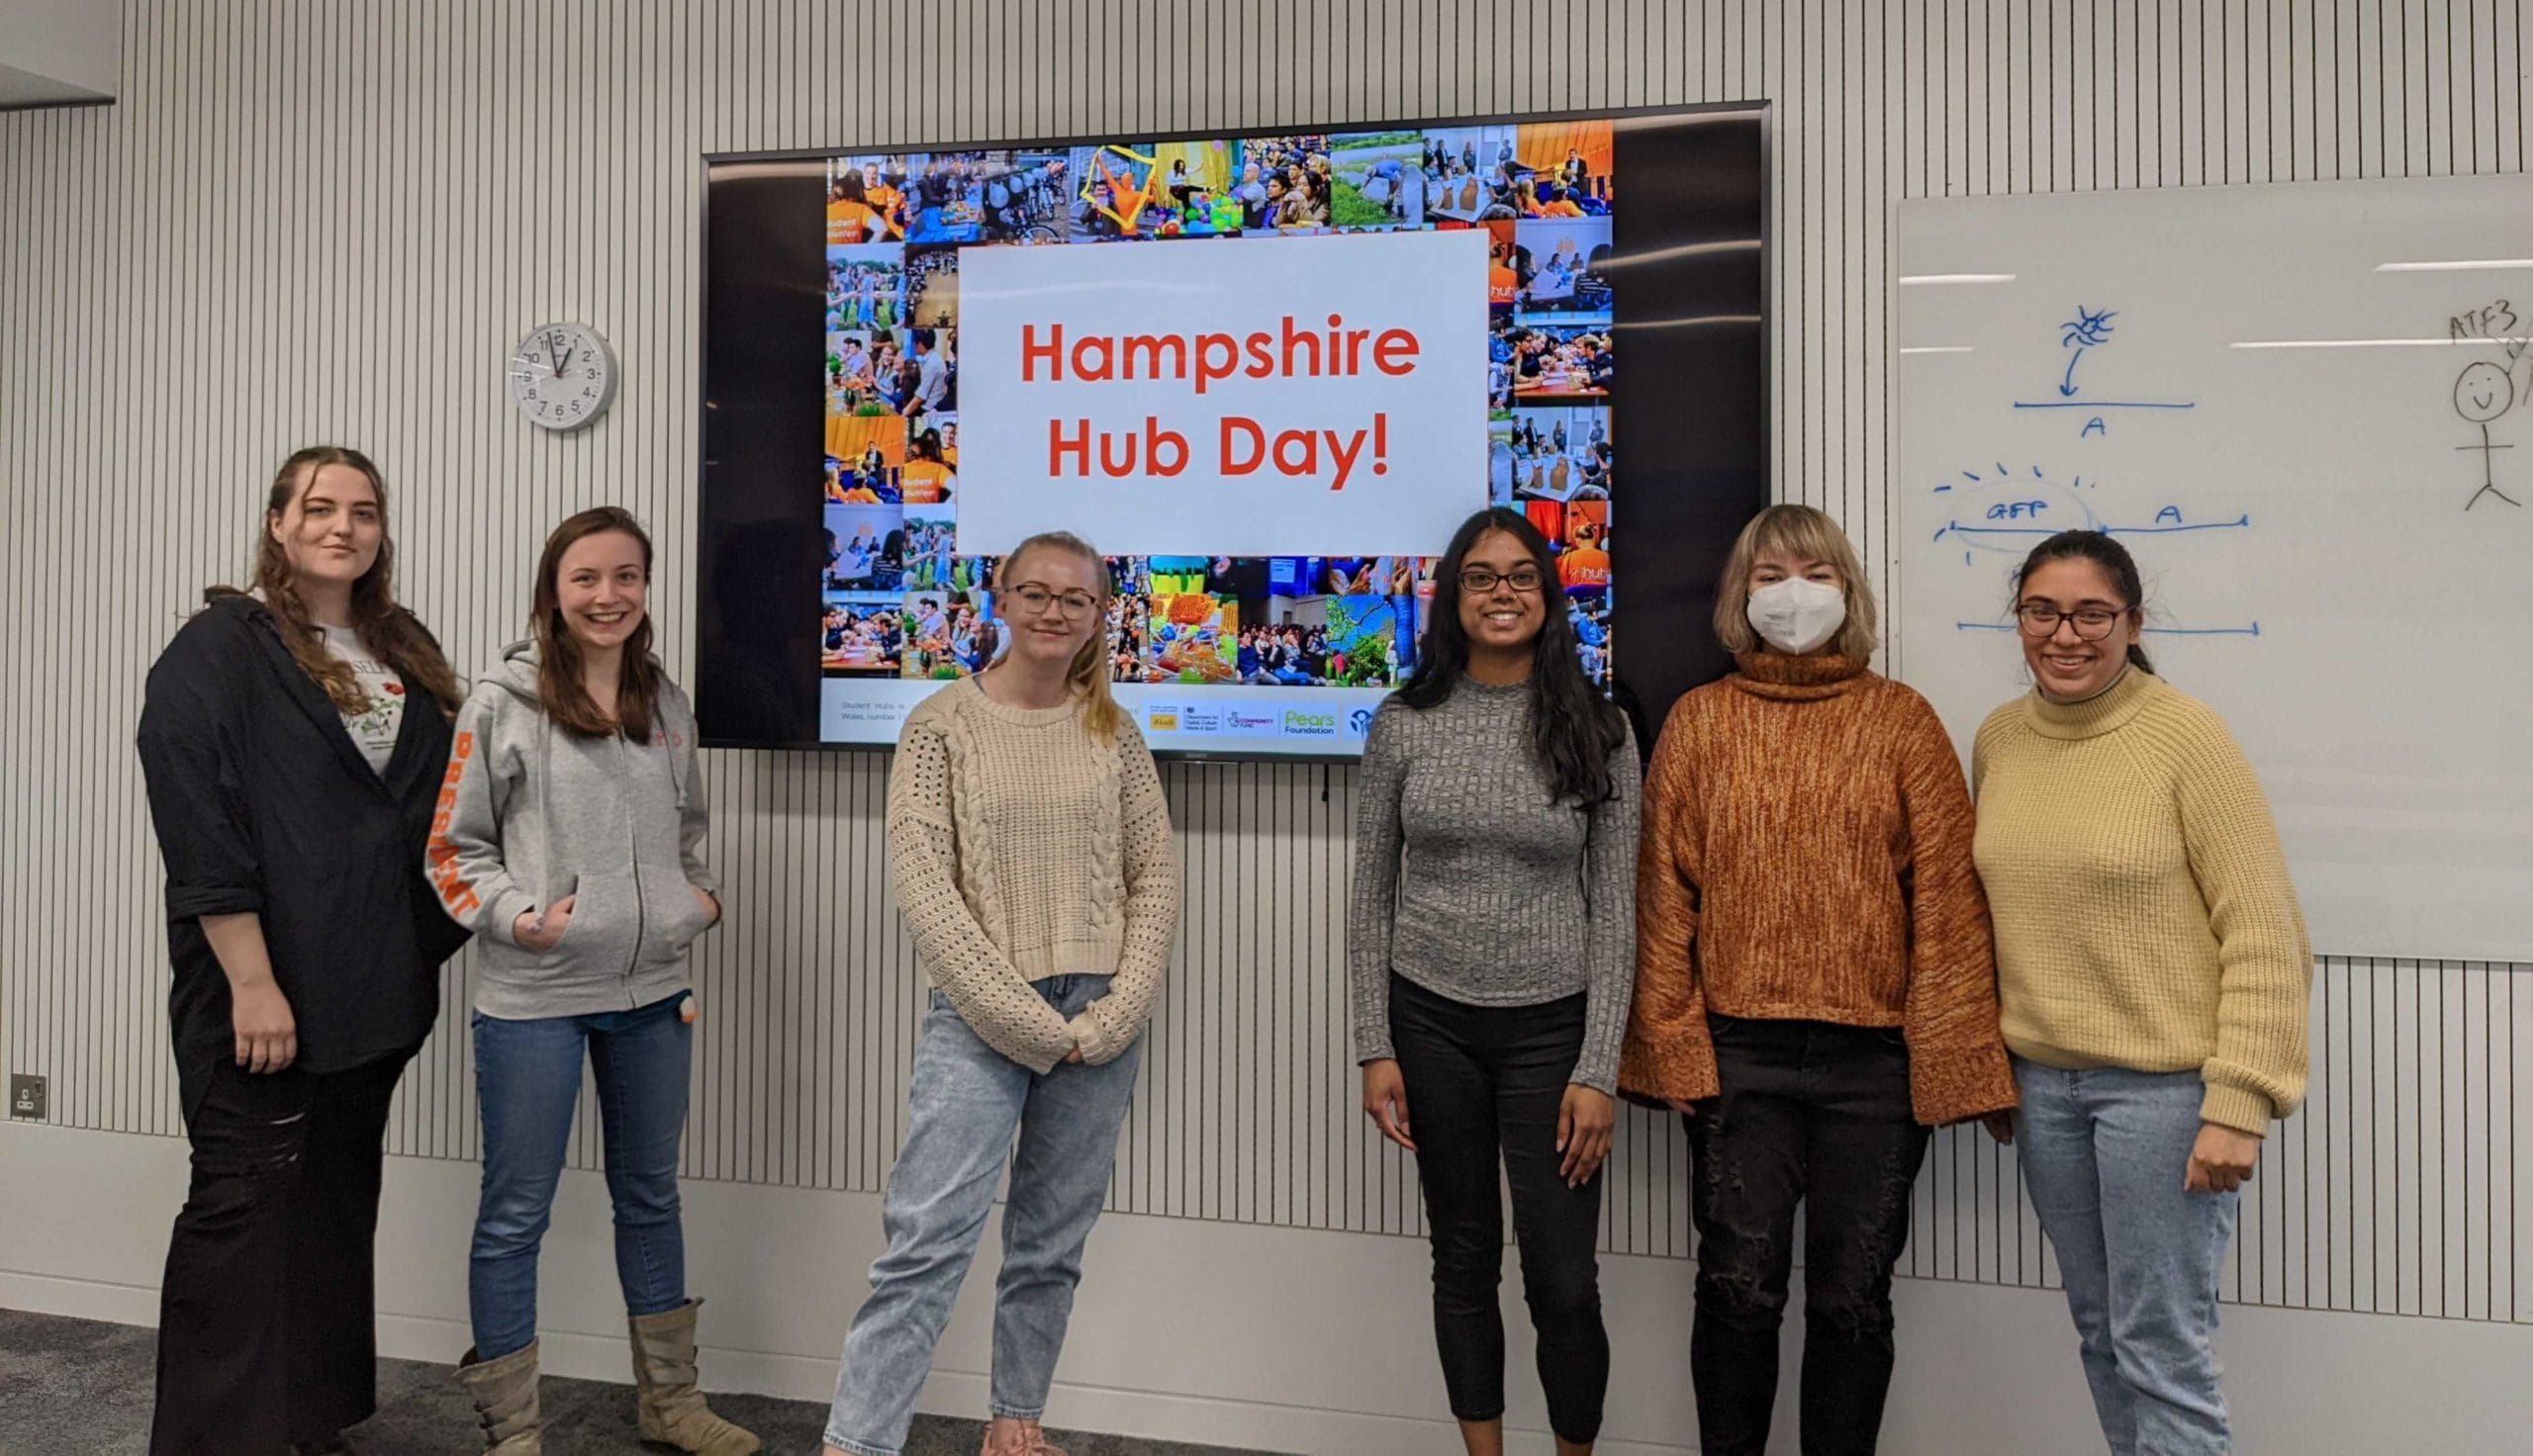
{"x":395,"y":634}
{"x":560,"y":687}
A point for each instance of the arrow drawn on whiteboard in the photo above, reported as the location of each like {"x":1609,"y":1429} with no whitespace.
{"x":2000,"y":513}
{"x":2088,"y":329}
{"x":2174,"y":526}
{"x":2252,"y":630}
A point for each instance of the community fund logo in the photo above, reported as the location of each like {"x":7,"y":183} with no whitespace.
{"x":1300,"y":724}
{"x":1246,"y":721}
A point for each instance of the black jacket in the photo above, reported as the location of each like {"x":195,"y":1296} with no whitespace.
{"x":263,"y":803}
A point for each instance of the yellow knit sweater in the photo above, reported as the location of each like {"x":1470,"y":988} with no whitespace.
{"x":2143,"y":914}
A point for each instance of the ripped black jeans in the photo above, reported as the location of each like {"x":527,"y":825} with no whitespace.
{"x":267,"y":1332}
{"x":1818,"y":1115}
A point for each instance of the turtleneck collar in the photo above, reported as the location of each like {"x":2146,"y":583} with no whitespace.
{"x":1796,"y":678}
{"x":2094,"y":716}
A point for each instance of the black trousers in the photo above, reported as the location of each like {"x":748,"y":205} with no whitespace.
{"x":267,"y":1334}
{"x":1484,"y":1085}
{"x":1818,"y":1113}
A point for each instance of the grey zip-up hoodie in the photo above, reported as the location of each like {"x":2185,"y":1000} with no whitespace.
{"x":529,"y":813}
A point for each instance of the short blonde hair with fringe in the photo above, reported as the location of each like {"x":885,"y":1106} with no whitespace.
{"x":1806,"y":534}
{"x":1089,"y":674}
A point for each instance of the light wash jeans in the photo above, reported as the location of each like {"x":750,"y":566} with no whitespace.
{"x":527,"y":1077}
{"x":2103,"y":1153}
{"x":965,"y":1102}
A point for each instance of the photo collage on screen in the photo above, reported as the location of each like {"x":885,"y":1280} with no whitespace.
{"x":900,"y":600}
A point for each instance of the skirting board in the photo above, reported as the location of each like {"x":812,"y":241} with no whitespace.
{"x":1308,"y":1342}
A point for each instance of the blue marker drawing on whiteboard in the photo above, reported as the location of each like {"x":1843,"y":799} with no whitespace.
{"x":2482,"y":394}
{"x":2002,"y":513}
{"x":2088,"y":329}
{"x":2251,"y":629}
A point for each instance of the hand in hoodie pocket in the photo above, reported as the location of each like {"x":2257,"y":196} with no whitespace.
{"x":605,"y":922}
{"x":673,"y":911}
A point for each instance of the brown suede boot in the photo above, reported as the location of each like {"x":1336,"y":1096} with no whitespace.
{"x":504,"y":1395}
{"x":673,"y":1411}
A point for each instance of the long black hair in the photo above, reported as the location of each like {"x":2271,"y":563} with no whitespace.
{"x":2115,"y":563}
{"x":1573,"y":729}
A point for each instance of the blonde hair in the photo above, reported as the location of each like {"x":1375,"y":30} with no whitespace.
{"x":1087,"y":675}
{"x":1804,"y":534}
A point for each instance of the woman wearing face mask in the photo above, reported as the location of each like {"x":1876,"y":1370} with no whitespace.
{"x":1030,"y":846}
{"x":291,"y":741}
{"x":1814,"y":982}
{"x":1491,"y":946}
{"x":574,"y":848}
{"x":2155,"y":976}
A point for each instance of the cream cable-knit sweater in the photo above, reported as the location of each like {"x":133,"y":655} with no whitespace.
{"x":1022,"y":848}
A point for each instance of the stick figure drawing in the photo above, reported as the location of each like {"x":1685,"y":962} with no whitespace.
{"x":2484,"y":393}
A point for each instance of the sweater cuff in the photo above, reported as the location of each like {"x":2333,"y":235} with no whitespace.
{"x":1678,"y":1069}
{"x":1373,"y":1043}
{"x":502,"y":916}
{"x":1099,"y":1042}
{"x":2238,"y":1108}
{"x":1600,"y":1077}
{"x":1954,"y":1085}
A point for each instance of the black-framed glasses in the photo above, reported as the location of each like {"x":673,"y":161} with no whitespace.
{"x":1480,"y":581}
{"x":1034,"y":597}
{"x":2092,"y":623}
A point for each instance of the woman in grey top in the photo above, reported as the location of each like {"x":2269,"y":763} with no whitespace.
{"x":570,"y":839}
{"x":1492,"y":949}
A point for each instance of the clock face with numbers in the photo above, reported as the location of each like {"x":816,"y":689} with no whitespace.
{"x":562,"y":376}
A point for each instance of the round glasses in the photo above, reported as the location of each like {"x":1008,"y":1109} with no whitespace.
{"x":1035,"y":598}
{"x":2092,"y":623}
{"x":1479,"y":581}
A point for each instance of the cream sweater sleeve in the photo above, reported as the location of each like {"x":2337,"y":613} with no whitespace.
{"x":2265,"y":961}
{"x":924,"y":842}
{"x":1109,"y":1026}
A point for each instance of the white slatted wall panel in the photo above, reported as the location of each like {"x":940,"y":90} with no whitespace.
{"x":327,"y":220}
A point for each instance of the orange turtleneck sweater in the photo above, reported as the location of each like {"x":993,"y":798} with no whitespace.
{"x":1807,"y":857}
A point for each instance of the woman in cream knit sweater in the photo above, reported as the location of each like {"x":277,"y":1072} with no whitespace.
{"x":1030,"y":848}
{"x":2154,"y":973}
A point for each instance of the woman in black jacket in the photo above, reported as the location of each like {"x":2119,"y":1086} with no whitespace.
{"x":293,"y":742}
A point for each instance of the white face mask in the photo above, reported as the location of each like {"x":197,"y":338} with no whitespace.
{"x":1795,"y":616}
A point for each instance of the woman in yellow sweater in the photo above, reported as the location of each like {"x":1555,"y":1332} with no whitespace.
{"x":1814,"y":988}
{"x":1030,"y":848}
{"x":2154,"y":972}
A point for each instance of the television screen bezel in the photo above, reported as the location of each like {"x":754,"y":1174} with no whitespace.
{"x":1763,"y":113}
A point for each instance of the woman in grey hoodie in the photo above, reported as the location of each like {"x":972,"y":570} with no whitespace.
{"x":569,"y":838}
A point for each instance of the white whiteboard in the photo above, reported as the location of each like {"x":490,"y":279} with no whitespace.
{"x":2232,"y":381}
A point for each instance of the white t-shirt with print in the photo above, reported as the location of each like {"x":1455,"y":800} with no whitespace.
{"x":373,"y":730}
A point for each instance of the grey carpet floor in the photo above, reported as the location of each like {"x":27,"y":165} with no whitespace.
{"x":78,"y":1388}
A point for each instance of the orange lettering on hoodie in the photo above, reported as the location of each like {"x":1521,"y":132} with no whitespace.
{"x":455,"y":891}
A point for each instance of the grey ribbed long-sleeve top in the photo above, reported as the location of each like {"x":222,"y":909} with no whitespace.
{"x":1473,"y":882}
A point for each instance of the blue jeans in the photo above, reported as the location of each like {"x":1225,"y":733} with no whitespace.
{"x":2103,"y":1153}
{"x":965,"y":1102}
{"x":527,"y":1077}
